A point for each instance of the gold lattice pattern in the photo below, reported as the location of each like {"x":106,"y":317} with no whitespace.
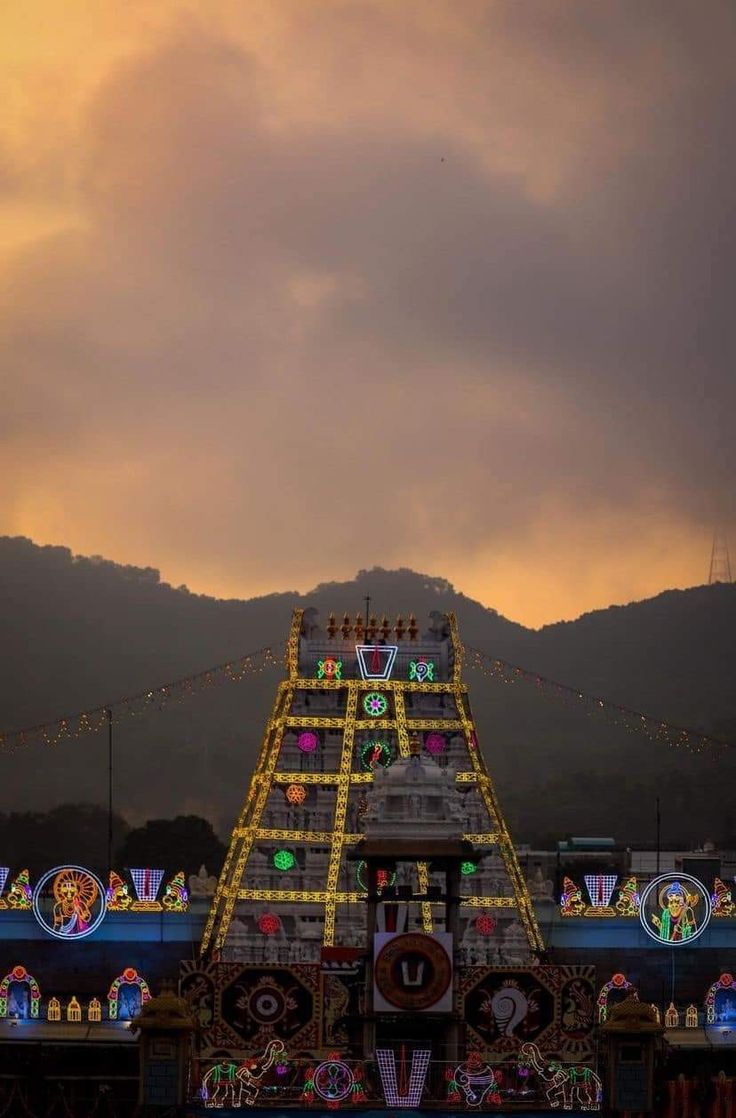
{"x":250,"y":830}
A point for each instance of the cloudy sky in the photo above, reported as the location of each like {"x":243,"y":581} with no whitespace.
{"x":290,"y":289}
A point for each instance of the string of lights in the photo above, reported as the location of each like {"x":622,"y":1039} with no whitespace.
{"x":73,"y":726}
{"x":633,"y":721}
{"x":76,"y":725}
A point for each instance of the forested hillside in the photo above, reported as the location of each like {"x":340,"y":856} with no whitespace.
{"x":82,"y":632}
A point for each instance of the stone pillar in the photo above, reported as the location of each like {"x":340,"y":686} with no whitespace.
{"x":165,"y":1029}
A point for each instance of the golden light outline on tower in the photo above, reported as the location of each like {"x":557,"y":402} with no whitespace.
{"x":249,"y":831}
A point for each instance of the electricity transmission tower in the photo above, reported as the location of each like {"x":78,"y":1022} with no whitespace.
{"x":720,"y":564}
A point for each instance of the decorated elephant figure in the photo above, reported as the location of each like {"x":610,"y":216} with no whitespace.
{"x":566,"y":1085}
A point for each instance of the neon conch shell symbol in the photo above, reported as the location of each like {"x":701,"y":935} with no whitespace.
{"x":509,"y":1007}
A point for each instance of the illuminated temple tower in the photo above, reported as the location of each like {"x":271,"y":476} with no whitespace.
{"x":358,"y":696}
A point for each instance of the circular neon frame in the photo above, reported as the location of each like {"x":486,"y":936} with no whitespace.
{"x":94,"y":924}
{"x":385,"y":758}
{"x":340,"y":1081}
{"x":658,"y":883}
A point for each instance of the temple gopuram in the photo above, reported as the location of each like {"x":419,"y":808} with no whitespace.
{"x":375,"y":940}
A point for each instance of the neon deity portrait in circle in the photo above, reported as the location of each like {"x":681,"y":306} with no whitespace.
{"x":675,"y":908}
{"x":76,"y":905}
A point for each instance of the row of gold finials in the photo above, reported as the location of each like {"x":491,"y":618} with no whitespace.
{"x":372,"y":630}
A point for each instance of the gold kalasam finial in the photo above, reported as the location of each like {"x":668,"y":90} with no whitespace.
{"x":358,"y":628}
{"x":413,"y":628}
{"x":372,"y":627}
{"x":331,"y":626}
{"x":399,"y":627}
{"x":345,"y":627}
{"x":385,"y":628}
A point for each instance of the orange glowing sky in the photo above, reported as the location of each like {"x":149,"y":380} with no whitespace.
{"x":294,"y":289}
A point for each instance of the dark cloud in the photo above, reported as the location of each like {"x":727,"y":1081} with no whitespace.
{"x":498,"y":300}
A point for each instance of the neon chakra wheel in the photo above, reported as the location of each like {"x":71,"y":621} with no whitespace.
{"x":375,"y":704}
{"x":333,"y":1081}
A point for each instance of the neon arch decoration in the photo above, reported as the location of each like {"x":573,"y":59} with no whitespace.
{"x":29,"y":1007}
{"x":120,"y":1005}
{"x":726,"y":1013}
{"x":675,"y":908}
{"x":617,"y":982}
{"x":4,"y":871}
{"x":76,"y":905}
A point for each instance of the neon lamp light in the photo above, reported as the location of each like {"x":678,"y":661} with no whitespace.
{"x":411,"y":1093}
{"x":284,"y":860}
{"x":4,"y":871}
{"x":307,"y":741}
{"x":466,"y":868}
{"x":295,"y":794}
{"x":435,"y":744}
{"x":485,"y":924}
{"x":376,"y":661}
{"x":269,"y":924}
{"x":600,"y":888}
{"x":146,"y":883}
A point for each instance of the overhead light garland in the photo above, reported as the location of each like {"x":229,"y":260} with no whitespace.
{"x":634,"y":721}
{"x":73,"y":726}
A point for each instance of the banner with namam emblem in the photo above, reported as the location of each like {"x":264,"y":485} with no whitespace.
{"x":412,"y":972}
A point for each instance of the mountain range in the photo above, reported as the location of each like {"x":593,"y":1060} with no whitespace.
{"x":79,"y":633}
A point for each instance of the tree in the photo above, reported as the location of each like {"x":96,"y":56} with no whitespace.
{"x":69,"y":834}
{"x":186,"y":842}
